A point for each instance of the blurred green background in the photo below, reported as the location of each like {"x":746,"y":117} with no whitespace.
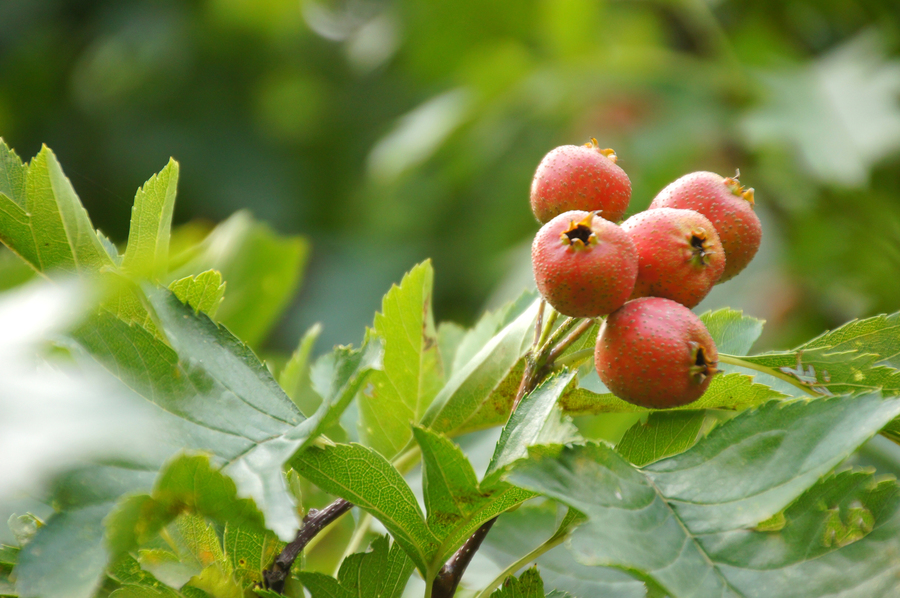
{"x":391,"y":131}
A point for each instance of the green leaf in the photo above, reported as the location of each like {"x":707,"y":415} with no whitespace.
{"x":24,"y":527}
{"x":458,"y":345}
{"x":44,"y":221}
{"x":399,"y":394}
{"x":479,"y":394}
{"x":838,"y":538}
{"x":136,"y":581}
{"x":273,"y":421}
{"x":204,"y":292}
{"x":520,"y":531}
{"x":188,"y":484}
{"x":380,"y":573}
{"x":457,"y":504}
{"x":294,"y":378}
{"x":262,"y":270}
{"x":536,"y":420}
{"x":657,"y":522}
{"x":250,"y":552}
{"x":528,"y":585}
{"x":732,"y":331}
{"x":66,"y":558}
{"x":366,"y":479}
{"x":662,"y":435}
{"x":728,"y":391}
{"x":147,"y":252}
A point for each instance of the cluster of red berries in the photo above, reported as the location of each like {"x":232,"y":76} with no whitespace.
{"x":644,"y":273}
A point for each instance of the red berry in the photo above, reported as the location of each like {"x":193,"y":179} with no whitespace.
{"x":727,"y":205}
{"x":680,"y":256}
{"x":580,"y":177}
{"x":584,"y":266}
{"x":655,"y":353}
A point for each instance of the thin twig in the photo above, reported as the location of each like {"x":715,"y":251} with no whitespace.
{"x":447,"y":580}
{"x":573,"y":336}
{"x":314,"y":522}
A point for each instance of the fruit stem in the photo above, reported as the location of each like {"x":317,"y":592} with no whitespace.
{"x":732,"y":360}
{"x":557,"y":334}
{"x":564,"y":344}
{"x":574,"y":358}
{"x":549,"y":321}
{"x":539,"y":324}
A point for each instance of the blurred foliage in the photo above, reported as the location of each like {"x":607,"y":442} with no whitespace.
{"x":388,"y":131}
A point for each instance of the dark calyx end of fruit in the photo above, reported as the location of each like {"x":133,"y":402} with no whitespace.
{"x":736,"y":188}
{"x":579,"y":234}
{"x":701,"y":250}
{"x":703,"y":368}
{"x":608,"y":152}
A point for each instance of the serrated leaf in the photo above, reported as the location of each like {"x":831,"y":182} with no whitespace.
{"x":45,"y":223}
{"x":127,"y":571}
{"x":262,"y":270}
{"x":147,"y":252}
{"x":400,"y":393}
{"x":726,"y":391}
{"x":662,"y":435}
{"x":277,"y":427}
{"x":535,"y":421}
{"x":457,"y":504}
{"x":520,"y":531}
{"x":732,"y":331}
{"x":380,"y":573}
{"x":528,"y":585}
{"x":849,"y":359}
{"x":366,"y":479}
{"x":204,"y":292}
{"x":657,"y":521}
{"x":468,"y":399}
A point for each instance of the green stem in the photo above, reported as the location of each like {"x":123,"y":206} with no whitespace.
{"x":549,"y":321}
{"x":732,"y":360}
{"x":575,"y":358}
{"x":557,"y":334}
{"x":550,"y":544}
{"x":565,"y":343}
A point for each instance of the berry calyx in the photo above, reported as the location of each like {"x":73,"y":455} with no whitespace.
{"x":580,"y":177}
{"x":584,"y":266}
{"x":728,"y":205}
{"x":680,"y":256}
{"x":655,"y":353}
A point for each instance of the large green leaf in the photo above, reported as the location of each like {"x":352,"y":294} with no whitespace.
{"x":399,"y":394}
{"x":519,"y":532}
{"x":380,"y":573}
{"x":480,"y":393}
{"x":658,"y":522}
{"x":147,"y":252}
{"x":726,"y":391}
{"x":220,"y":400}
{"x":262,"y":270}
{"x":366,"y":479}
